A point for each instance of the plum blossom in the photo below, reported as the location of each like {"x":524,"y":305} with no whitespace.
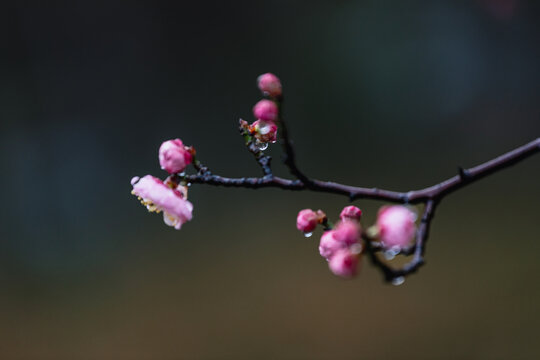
{"x":345,"y":235}
{"x":307,"y":220}
{"x":344,"y":263}
{"x":264,"y":131}
{"x":269,"y":84}
{"x":174,"y":157}
{"x":157,"y":197}
{"x":329,"y":245}
{"x":351,"y":213}
{"x":266,"y":110}
{"x":347,"y":232}
{"x":396,"y":226}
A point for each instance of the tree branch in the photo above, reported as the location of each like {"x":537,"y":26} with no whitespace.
{"x":437,"y":191}
{"x":174,"y":157}
{"x":263,"y":160}
{"x":430,"y":196}
{"x":289,"y":157}
{"x":468,"y":176}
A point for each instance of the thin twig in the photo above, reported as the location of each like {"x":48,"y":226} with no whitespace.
{"x":289,"y":156}
{"x":263,"y":160}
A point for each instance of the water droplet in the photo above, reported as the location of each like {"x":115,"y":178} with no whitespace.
{"x":308,"y":234}
{"x":356,"y":248}
{"x":188,"y":184}
{"x":261,"y":146}
{"x":391,"y":253}
{"x":134,"y":180}
{"x":398,"y":280}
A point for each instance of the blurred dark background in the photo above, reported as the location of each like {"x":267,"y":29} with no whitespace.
{"x":391,"y":94}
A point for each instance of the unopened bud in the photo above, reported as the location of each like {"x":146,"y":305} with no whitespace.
{"x":266,"y":110}
{"x":269,"y":84}
{"x":174,"y":157}
{"x":396,"y":226}
{"x":344,"y":263}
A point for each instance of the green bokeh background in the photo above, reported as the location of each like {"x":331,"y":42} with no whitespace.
{"x":391,"y":94}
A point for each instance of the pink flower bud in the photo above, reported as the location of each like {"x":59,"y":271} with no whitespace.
{"x":265,"y":131}
{"x":269,"y":84}
{"x":344,"y":263}
{"x":307,"y":220}
{"x":347,"y":232}
{"x":396,"y":225}
{"x":329,"y":245}
{"x":266,"y":110}
{"x":174,"y":156}
{"x":157,"y":196}
{"x":350,"y":213}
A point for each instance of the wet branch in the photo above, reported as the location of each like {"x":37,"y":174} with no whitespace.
{"x":435,"y":192}
{"x":429,"y":196}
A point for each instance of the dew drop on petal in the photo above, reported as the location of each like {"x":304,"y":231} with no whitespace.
{"x":356,"y":248}
{"x":398,"y":280}
{"x":308,"y":234}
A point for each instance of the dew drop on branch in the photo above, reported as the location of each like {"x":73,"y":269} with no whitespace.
{"x":261,"y":146}
{"x":398,"y":280}
{"x":391,"y":253}
{"x":308,"y":234}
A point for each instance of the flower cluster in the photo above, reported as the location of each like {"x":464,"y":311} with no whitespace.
{"x":168,"y":197}
{"x":266,"y":111}
{"x":341,"y":245}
